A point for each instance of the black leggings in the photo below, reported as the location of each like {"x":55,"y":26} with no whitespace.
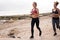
{"x":55,"y":21}
{"x":35,"y":20}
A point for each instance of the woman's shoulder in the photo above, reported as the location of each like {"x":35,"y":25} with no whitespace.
{"x":58,"y":9}
{"x":37,"y":9}
{"x":52,"y":9}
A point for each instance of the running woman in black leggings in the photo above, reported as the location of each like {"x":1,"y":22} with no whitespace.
{"x":55,"y":17}
{"x":35,"y":19}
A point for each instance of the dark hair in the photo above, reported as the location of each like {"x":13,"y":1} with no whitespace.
{"x":57,"y":3}
{"x":35,"y":3}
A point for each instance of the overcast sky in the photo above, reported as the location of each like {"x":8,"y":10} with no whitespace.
{"x":17,"y":7}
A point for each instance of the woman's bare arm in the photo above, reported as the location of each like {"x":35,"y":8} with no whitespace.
{"x":59,"y":11}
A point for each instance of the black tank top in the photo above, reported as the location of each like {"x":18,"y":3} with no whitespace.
{"x":55,"y":12}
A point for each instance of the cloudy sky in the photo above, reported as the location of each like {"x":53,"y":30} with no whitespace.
{"x":18,"y":7}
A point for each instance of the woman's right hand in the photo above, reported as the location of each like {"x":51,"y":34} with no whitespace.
{"x":55,"y":15}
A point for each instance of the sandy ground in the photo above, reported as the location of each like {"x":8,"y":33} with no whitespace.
{"x":22,"y":30}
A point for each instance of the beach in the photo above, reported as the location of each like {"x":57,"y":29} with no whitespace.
{"x":22,"y":29}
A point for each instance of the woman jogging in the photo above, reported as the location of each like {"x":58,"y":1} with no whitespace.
{"x":55,"y":17}
{"x":35,"y":19}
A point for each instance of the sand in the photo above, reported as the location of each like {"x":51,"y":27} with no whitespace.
{"x":21,"y":28}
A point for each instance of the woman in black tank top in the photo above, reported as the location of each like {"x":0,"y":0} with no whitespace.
{"x":55,"y":18}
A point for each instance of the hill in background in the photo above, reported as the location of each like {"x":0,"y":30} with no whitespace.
{"x":16,"y":17}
